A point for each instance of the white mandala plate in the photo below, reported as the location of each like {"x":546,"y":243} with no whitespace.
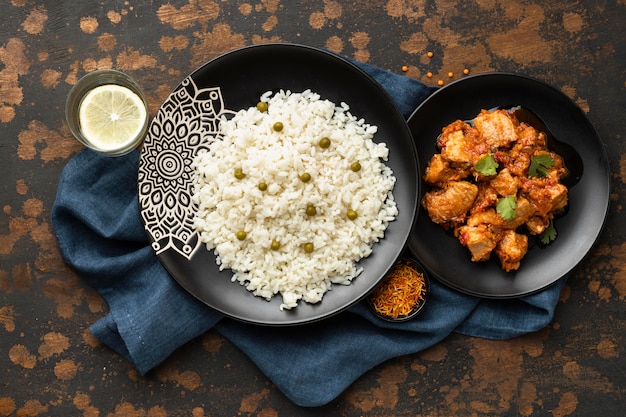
{"x":174,"y":138}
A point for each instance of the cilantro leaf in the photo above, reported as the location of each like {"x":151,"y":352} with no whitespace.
{"x":486,"y":165}
{"x":506,"y":207}
{"x":540,"y":164}
{"x":548,"y":235}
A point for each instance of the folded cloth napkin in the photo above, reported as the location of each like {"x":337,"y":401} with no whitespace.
{"x":98,"y":226}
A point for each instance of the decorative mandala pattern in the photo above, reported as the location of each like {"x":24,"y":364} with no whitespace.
{"x":184,"y":125}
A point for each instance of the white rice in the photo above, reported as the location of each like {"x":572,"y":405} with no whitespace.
{"x":227,"y":205}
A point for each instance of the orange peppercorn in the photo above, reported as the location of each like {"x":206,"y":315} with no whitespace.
{"x":405,"y":68}
{"x":429,"y":54}
{"x":450,"y":74}
{"x":429,"y":74}
{"x":465,"y":71}
{"x":440,"y":83}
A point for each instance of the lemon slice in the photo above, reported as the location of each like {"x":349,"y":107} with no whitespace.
{"x":112,"y":116}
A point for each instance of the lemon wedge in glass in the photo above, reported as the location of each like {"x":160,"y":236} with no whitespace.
{"x":112,"y":116}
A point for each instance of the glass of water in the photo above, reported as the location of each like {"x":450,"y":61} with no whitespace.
{"x":107,"y":111}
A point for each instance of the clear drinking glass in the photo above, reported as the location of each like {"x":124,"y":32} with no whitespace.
{"x":109,"y":137}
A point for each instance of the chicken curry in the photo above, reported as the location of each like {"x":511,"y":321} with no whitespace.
{"x":493,"y":183}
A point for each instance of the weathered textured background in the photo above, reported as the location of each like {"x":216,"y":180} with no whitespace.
{"x":51,"y":365}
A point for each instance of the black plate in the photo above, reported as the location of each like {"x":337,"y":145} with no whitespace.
{"x":578,"y":228}
{"x":234,"y":81}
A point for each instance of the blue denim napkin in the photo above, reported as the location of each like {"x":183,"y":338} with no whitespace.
{"x":100,"y":233}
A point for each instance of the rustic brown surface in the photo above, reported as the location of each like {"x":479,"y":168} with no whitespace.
{"x":51,"y":365}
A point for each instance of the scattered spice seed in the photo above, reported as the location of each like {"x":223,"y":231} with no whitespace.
{"x":261,"y":106}
{"x":278,"y":126}
{"x":305,"y":177}
{"x":355,"y":166}
{"x":308,"y":247}
{"x":262,"y":186}
{"x":465,"y":71}
{"x":401,"y":292}
{"x":311,"y":210}
{"x":450,"y":74}
{"x":429,"y":54}
{"x":429,"y":74}
{"x":324,"y":142}
{"x":241,"y":234}
{"x":405,"y":68}
{"x":275,"y":245}
{"x":352,"y":215}
{"x":440,"y":83}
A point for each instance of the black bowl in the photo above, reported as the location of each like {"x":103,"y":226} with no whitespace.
{"x":418,"y":307}
{"x":578,"y":228}
{"x":232,"y":82}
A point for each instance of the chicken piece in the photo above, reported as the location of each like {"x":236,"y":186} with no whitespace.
{"x":481,"y":240}
{"x":546,"y":195}
{"x":456,"y":147}
{"x":558,"y":170}
{"x":524,"y":211}
{"x":559,"y":196}
{"x":496,"y":128}
{"x":529,"y":136}
{"x":459,"y":142}
{"x":449,"y":205}
{"x":519,"y":160}
{"x":537,"y":224}
{"x":505,"y":183}
{"x":488,"y":217}
{"x":487,"y":197}
{"x":511,"y":249}
{"x":440,"y":170}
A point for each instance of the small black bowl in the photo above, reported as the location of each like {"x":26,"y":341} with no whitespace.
{"x":421,"y":303}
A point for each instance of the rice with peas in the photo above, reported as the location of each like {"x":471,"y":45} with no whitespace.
{"x":254,"y":204}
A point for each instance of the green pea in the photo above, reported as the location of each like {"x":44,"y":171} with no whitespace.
{"x":311,"y":210}
{"x":278,"y":126}
{"x":275,"y":245}
{"x":262,"y":186}
{"x":305,"y":177}
{"x":324,"y":142}
{"x":352,"y":215}
{"x":241,"y":234}
{"x":239,"y":174}
{"x":261,"y":106}
{"x":355,"y":166}
{"x":308,"y":247}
